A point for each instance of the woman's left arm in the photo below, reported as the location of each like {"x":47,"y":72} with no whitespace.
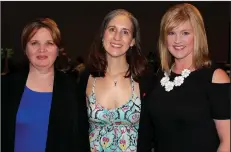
{"x":223,"y":129}
{"x":223,"y":126}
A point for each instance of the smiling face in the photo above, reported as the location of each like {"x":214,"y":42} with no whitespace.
{"x":118,"y":36}
{"x":180,"y":41}
{"x":41,"y":49}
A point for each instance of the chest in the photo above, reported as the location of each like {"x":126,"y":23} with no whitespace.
{"x":187,"y":103}
{"x":111,"y":96}
{"x":115,"y":95}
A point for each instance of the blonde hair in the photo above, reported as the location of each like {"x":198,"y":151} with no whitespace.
{"x":176,"y":15}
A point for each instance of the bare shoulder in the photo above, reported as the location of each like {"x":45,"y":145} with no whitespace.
{"x":137,"y":88}
{"x":89,"y":84}
{"x":220,"y":76}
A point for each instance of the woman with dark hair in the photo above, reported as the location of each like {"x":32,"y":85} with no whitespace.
{"x":113,"y":85}
{"x":40,"y":112}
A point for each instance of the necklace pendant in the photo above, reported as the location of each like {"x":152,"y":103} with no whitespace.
{"x":115,"y":83}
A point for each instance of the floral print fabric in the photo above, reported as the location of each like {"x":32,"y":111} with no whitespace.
{"x":114,"y":130}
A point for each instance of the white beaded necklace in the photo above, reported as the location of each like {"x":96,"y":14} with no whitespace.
{"x":178,"y":81}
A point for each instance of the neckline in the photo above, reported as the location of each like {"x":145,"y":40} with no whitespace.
{"x":30,"y":90}
{"x":174,"y":73}
{"x":113,"y":109}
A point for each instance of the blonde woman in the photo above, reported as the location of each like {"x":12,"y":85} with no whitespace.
{"x":189,"y":110}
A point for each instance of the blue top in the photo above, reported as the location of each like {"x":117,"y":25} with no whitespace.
{"x":32,"y":121}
